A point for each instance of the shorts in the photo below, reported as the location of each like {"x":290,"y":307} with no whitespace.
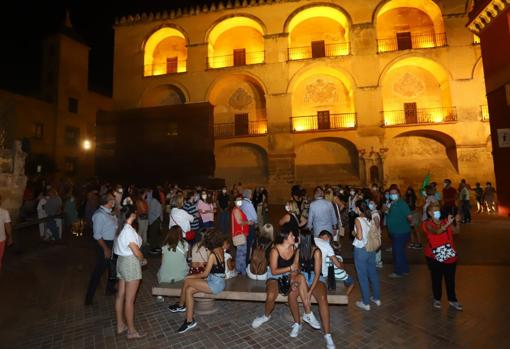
{"x":310,"y":276}
{"x":274,"y":277}
{"x":216,"y":283}
{"x":129,"y":268}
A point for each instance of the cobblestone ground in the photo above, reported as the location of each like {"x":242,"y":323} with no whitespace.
{"x":41,"y":306}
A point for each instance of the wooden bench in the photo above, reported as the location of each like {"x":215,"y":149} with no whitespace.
{"x":242,"y":288}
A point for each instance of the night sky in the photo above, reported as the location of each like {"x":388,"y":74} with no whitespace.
{"x":25,"y":23}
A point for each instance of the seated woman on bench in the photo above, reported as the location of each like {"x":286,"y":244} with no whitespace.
{"x":284,"y":264}
{"x":211,"y":280}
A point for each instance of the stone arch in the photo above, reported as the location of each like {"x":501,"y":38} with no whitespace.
{"x":310,"y":69}
{"x":318,"y":21}
{"x":168,"y":94}
{"x":327,"y":160}
{"x":430,"y":7}
{"x":233,"y":33}
{"x":177,"y":41}
{"x":233,"y":94}
{"x":333,"y":6}
{"x":251,"y":19}
{"x":321,"y":88}
{"x":413,"y":154}
{"x":242,"y":162}
{"x":477,"y":68}
{"x":442,"y":74}
{"x":418,"y":81}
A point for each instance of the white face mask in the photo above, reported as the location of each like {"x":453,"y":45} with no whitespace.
{"x":204,"y":197}
{"x":239,"y":203}
{"x":287,"y":208}
{"x":371,"y":206}
{"x":224,"y":191}
{"x":437,"y":214}
{"x":352,"y":192}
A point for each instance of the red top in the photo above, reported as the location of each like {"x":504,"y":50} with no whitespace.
{"x":236,"y":227}
{"x":436,"y":240}
{"x":449,"y":196}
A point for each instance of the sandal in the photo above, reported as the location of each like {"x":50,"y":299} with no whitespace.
{"x":135,"y":335}
{"x":124,"y":329}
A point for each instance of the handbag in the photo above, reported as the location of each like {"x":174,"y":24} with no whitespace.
{"x":190,"y":235}
{"x":239,"y":240}
{"x":284,"y":285}
{"x":112,"y":268}
{"x":373,"y":238}
{"x":331,"y":278}
{"x":443,"y":252}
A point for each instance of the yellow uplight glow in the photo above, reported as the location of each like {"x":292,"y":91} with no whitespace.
{"x":320,"y":11}
{"x":149,"y":49}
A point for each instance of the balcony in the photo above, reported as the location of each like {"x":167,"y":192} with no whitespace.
{"x":325,"y":122}
{"x":419,"y":116}
{"x":330,"y":50}
{"x":411,"y":41}
{"x":170,"y":67}
{"x":253,"y":128}
{"x":235,"y":60}
{"x":484,"y":112}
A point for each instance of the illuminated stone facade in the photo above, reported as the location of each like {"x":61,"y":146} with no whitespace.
{"x":314,"y":92}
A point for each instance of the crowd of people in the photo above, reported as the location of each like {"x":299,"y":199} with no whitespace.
{"x":207,"y":236}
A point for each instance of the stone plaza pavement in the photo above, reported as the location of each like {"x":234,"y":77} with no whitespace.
{"x":42,"y":290}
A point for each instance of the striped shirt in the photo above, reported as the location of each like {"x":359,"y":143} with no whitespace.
{"x":192,"y":210}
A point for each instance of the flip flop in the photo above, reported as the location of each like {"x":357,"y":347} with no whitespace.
{"x":124,"y":329}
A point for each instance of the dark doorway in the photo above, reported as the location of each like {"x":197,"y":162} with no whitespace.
{"x":318,"y":49}
{"x":241,"y":124}
{"x":404,"y":41}
{"x":323,"y":120}
{"x":374,"y":174}
{"x":239,"y":57}
{"x":411,"y":113}
{"x":171,"y":65}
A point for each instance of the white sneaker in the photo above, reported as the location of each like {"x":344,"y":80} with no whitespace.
{"x":295,"y":330}
{"x":260,"y":320}
{"x":363,"y":306}
{"x":311,"y":320}
{"x":329,"y":341}
{"x":376,"y":301}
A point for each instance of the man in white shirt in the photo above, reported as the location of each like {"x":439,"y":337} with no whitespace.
{"x":5,"y":231}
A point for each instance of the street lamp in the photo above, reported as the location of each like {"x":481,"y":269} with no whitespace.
{"x":87,"y":145}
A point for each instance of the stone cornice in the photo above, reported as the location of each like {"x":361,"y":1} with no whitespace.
{"x":193,"y":11}
{"x":485,"y":16}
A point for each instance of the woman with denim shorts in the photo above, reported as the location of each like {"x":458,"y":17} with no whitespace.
{"x":315,"y":273}
{"x":211,"y":280}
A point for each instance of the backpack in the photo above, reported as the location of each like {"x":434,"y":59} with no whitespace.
{"x":373,"y":238}
{"x":258,"y":262}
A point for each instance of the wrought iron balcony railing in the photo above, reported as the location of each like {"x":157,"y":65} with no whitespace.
{"x":231,"y":129}
{"x":164,"y":68}
{"x":420,"y":116}
{"x":323,"y":122}
{"x":330,"y":50}
{"x":248,"y":58}
{"x":416,"y":41}
{"x":484,"y":112}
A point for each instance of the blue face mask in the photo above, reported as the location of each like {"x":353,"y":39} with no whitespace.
{"x":394,"y":197}
{"x":371,"y":207}
{"x":387,"y":196}
{"x":437,"y":214}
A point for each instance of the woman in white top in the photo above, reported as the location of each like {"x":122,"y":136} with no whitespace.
{"x":180,"y":217}
{"x":364,"y":261}
{"x":129,"y":272}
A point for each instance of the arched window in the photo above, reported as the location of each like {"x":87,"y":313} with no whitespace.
{"x":318,"y":31}
{"x":409,"y":24}
{"x":165,"y":52}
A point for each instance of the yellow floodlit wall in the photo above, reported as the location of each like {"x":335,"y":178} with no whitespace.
{"x":165,"y":43}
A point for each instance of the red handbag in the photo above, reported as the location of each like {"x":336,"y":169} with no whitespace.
{"x":191,"y":235}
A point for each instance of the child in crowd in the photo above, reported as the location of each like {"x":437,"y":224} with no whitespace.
{"x":230,"y":265}
{"x":323,"y":242}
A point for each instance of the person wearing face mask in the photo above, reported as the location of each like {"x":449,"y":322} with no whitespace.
{"x":240,"y":226}
{"x":223,"y":205}
{"x":441,"y":256}
{"x":206,"y":209}
{"x":104,"y":226}
{"x":398,"y":220}
{"x":292,"y":220}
